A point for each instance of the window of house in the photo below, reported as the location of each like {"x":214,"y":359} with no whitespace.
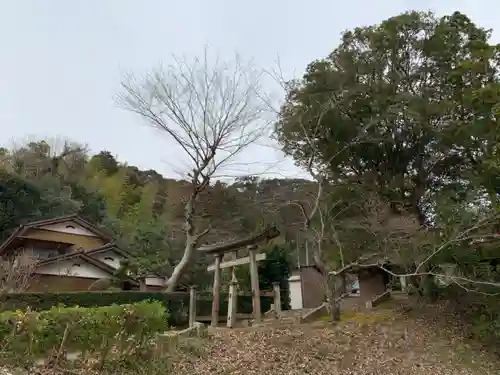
{"x":109,"y":258}
{"x":70,"y":226}
{"x":62,"y":251}
{"x":127,"y":285}
{"x":76,"y":265}
{"x":41,"y":254}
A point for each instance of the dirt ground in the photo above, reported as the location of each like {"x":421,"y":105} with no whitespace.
{"x":380,"y":342}
{"x":384,"y":341}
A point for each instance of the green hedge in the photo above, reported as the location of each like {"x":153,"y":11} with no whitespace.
{"x":127,"y":329}
{"x":177,"y":304}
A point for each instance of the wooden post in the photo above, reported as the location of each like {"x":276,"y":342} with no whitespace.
{"x":192,"y":305}
{"x":277,"y":298}
{"x":233,"y":294}
{"x":254,"y":275}
{"x":402,"y":280}
{"x":236,"y":262}
{"x":216,"y":292}
{"x":233,"y":297}
{"x":142,"y":285}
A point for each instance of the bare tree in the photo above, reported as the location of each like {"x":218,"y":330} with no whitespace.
{"x":211,"y":111}
{"x":317,"y":208}
{"x":400,"y":239}
{"x":36,"y":158}
{"x":17,"y":274}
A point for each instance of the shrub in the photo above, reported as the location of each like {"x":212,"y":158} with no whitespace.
{"x":174,"y":302}
{"x":177,"y":304}
{"x":276,"y":268}
{"x":32,"y":334}
{"x":480,"y":312}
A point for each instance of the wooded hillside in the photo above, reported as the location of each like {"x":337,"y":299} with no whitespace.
{"x":142,"y":209}
{"x":398,"y":128}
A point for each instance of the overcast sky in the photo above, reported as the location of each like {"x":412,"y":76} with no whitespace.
{"x":62,"y":60}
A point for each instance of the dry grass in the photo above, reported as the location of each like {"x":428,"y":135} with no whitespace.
{"x":362,"y":317}
{"x":364,"y":343}
{"x":381,"y":342}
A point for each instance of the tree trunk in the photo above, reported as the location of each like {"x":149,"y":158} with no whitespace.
{"x":418,"y":193}
{"x":334,"y":291}
{"x":179,"y":269}
{"x":191,"y":240}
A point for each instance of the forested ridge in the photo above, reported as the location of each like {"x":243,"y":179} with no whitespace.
{"x":141,"y":209}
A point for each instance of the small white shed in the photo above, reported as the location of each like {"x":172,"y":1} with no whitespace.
{"x":306,"y":288}
{"x":295,"y":286}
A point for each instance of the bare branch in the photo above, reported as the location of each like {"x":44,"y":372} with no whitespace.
{"x":203,"y":234}
{"x":457,"y":238}
{"x":16,"y":275}
{"x":211,"y":111}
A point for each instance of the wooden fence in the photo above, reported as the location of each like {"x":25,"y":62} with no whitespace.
{"x":200,"y":302}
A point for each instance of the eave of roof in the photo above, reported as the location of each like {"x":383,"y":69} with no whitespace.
{"x":25,"y":238}
{"x":151,"y":274}
{"x":83,"y":256}
{"x":110,"y":247}
{"x":84,"y":223}
{"x":11,"y":238}
{"x":265,"y":235}
{"x":22,"y":228}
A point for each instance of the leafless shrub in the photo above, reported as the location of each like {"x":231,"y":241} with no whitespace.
{"x":16,"y":275}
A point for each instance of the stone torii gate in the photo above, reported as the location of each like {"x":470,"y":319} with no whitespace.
{"x":218,"y":250}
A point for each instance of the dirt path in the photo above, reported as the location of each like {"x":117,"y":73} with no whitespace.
{"x":363,"y":344}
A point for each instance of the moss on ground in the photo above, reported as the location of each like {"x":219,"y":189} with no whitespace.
{"x":362,"y":317}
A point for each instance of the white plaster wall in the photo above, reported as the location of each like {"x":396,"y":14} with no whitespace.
{"x":352,"y":282}
{"x":449,"y":270}
{"x":295,"y":285}
{"x":113,"y":262}
{"x":68,"y":268}
{"x":154,"y":281}
{"x":62,"y":227}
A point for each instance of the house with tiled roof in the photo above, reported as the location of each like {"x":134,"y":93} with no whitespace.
{"x":70,"y":254}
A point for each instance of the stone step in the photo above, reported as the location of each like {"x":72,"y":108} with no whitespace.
{"x":295,"y":313}
{"x":281,"y":321}
{"x":287,"y":317}
{"x":275,"y":324}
